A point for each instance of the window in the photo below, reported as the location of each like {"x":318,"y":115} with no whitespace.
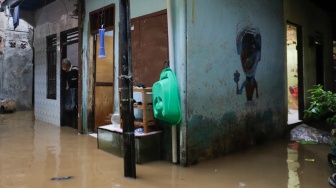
{"x":101,"y":16}
{"x":51,"y":66}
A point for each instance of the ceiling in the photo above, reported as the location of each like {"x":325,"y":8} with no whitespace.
{"x":328,"y":5}
{"x":32,"y":5}
{"x":28,"y":5}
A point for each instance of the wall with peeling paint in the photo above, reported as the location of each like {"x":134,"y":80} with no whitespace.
{"x":219,"y":120}
{"x":52,"y":19}
{"x":16,"y":63}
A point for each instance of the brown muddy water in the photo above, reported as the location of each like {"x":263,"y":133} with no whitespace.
{"x":32,"y":153}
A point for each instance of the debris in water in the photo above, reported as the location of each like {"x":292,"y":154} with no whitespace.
{"x":242,"y":184}
{"x":61,"y":178}
{"x":305,"y":134}
{"x":307,"y":142}
{"x":310,"y":160}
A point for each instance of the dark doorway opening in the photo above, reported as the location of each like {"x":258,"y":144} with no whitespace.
{"x":69,"y":50}
{"x":319,"y":65}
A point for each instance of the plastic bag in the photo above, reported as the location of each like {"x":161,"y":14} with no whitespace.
{"x":305,"y":133}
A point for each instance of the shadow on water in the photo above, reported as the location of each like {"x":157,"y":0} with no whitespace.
{"x":38,"y":154}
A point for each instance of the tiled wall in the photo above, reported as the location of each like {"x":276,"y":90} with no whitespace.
{"x":48,"y":110}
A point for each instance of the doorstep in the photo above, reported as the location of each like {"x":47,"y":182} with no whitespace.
{"x":147,"y":145}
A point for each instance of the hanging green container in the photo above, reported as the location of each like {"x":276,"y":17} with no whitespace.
{"x":166,"y":104}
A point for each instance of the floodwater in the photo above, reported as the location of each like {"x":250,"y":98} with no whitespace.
{"x":37,"y":154}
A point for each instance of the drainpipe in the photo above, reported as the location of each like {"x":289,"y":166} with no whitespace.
{"x":172,"y":66}
{"x":181,"y":71}
{"x":178,"y":62}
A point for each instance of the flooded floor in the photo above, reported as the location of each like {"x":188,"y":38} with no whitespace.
{"x":32,"y":153}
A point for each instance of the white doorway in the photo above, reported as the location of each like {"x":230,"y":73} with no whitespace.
{"x":292,"y":75}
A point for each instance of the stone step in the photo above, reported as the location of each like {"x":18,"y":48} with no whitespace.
{"x":147,"y":146}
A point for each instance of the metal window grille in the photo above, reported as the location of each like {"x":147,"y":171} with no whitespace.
{"x":51,"y":66}
{"x":103,"y":16}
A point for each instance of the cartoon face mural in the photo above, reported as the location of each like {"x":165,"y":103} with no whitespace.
{"x":249,"y":48}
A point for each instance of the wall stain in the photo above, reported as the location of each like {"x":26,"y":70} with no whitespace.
{"x":209,"y":138}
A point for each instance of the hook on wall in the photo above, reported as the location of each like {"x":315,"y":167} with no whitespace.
{"x":102,"y":34}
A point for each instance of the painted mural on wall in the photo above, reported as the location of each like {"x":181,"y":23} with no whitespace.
{"x":248,"y":41}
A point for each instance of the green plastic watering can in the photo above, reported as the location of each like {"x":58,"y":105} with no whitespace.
{"x":166,"y":104}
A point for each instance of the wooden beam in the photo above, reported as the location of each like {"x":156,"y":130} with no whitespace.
{"x":127,"y":113}
{"x":81,"y":17}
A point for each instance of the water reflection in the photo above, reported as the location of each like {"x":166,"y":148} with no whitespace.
{"x":34,"y":152}
{"x":293,"y":165}
{"x":12,"y":134}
